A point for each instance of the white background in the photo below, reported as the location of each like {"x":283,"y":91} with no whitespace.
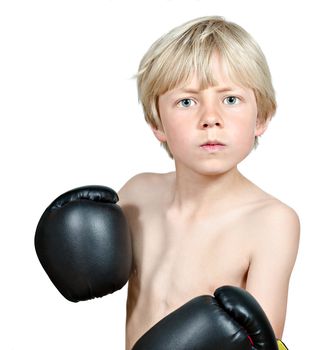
{"x":70,"y":117}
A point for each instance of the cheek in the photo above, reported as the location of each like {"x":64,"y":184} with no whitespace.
{"x":177,"y":136}
{"x":173,"y":125}
{"x":243,"y":135}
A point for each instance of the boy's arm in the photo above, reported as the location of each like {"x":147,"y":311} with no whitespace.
{"x":133,"y":196}
{"x":273,"y":256}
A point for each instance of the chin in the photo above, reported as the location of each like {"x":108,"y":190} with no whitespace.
{"x":207,"y":167}
{"x":213,"y":171}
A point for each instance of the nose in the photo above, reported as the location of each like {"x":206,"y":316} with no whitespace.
{"x":210,"y":119}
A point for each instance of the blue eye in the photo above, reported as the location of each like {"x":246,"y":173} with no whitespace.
{"x":231,"y":100}
{"x":186,"y":102}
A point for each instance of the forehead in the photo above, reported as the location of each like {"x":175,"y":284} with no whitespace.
{"x":217,"y":75}
{"x":219,"y":69}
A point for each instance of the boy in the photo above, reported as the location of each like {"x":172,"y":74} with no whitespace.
{"x":207,"y":94}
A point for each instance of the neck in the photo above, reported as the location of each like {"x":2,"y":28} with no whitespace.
{"x":195,"y":193}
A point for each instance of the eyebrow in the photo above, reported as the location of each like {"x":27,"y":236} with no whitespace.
{"x":222,"y":89}
{"x":227,"y":88}
{"x":189,"y":91}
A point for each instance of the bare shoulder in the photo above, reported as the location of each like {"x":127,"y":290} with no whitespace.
{"x":140,"y":197}
{"x":142,"y":188}
{"x":270,"y":215}
{"x":277,"y":226}
{"x":277,"y":214}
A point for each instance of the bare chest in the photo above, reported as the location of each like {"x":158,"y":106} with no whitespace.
{"x":177,"y":260}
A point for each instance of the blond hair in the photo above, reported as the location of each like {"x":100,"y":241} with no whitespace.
{"x":188,"y":48}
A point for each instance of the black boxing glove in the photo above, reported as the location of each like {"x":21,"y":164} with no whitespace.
{"x":232,"y":320}
{"x":83,"y":243}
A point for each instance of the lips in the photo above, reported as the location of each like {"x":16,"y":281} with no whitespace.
{"x":214,"y":145}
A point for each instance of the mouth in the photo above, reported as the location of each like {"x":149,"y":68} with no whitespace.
{"x":213,"y":145}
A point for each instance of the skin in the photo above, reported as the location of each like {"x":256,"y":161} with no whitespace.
{"x":189,"y":119}
{"x":206,"y":225}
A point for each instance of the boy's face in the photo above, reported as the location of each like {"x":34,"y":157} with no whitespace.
{"x":226,"y":113}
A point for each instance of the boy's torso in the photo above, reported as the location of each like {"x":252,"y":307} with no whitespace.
{"x":177,"y":259}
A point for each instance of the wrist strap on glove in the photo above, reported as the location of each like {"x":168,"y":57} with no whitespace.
{"x":281,"y":345}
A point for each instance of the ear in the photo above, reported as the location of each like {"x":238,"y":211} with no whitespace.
{"x":159,"y":133}
{"x":261,"y":127}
